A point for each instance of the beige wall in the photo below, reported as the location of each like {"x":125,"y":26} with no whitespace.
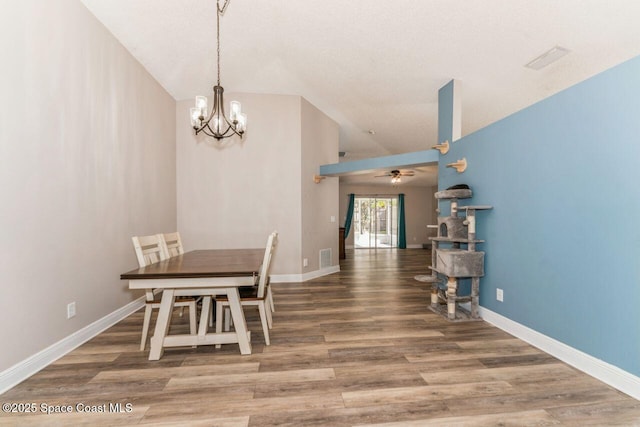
{"x":87,"y":159}
{"x":319,"y":201}
{"x":420,"y":209}
{"x":235,"y":194}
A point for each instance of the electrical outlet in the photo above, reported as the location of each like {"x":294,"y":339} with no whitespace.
{"x":305,"y":262}
{"x":500,"y":295}
{"x":71,"y":310}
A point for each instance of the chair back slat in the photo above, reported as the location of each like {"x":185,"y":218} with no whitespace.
{"x":149,"y":249}
{"x":263,"y":278}
{"x":174,"y":244}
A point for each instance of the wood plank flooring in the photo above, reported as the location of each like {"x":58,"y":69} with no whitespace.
{"x":356,"y":348}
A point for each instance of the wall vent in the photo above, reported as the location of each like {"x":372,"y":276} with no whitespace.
{"x":325,"y":258}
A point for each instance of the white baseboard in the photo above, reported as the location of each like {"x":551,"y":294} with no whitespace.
{"x":603,"y":371}
{"x":23,"y":370}
{"x":293,"y":278}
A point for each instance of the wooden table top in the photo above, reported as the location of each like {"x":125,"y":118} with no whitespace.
{"x":202,"y":263}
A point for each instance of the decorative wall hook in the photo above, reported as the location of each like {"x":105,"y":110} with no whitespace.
{"x":443,"y":147}
{"x":317,"y":178}
{"x":460,"y":166}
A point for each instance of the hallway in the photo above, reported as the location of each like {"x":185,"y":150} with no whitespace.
{"x":357,"y":347}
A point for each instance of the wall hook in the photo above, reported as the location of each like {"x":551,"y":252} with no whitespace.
{"x":460,"y":165}
{"x":317,"y":178}
{"x":443,"y":147}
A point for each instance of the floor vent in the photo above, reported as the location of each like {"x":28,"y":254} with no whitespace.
{"x":325,"y":258}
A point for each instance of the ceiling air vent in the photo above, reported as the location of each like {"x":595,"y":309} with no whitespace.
{"x":550,"y":56}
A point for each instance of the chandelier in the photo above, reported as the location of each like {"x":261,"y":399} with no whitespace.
{"x":217,"y":125}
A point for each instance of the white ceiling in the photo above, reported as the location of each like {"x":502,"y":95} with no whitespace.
{"x":374,"y":64}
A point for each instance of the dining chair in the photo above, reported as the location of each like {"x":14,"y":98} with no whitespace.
{"x":149,"y":250}
{"x":175,"y":248}
{"x":256,"y":296}
{"x":174,"y":244}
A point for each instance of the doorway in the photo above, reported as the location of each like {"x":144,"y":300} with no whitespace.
{"x":375,"y":222}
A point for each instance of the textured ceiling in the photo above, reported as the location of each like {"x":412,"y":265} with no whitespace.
{"x":374,"y":64}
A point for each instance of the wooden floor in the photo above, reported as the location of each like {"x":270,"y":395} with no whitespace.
{"x":354,"y":348}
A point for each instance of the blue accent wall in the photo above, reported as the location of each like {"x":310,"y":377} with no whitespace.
{"x":563,"y":238}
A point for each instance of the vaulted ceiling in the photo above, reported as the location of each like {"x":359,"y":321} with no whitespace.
{"x":378,"y":64}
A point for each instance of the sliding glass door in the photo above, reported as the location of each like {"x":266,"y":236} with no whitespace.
{"x":375,"y":220}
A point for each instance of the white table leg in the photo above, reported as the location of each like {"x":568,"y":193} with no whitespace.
{"x":162,"y":324}
{"x":238,"y":320}
{"x":204,"y":315}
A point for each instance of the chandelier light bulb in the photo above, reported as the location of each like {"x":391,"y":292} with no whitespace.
{"x":195,"y":117}
{"x":218,"y":124}
{"x":201,"y":104}
{"x":236,"y":110}
{"x":242,"y":122}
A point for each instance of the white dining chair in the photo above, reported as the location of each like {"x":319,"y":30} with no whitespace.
{"x":149,"y":250}
{"x":173,"y":243}
{"x":256,"y":296}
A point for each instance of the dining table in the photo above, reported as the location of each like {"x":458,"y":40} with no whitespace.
{"x":199,"y":273}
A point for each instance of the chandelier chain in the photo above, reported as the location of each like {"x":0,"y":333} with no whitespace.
{"x":218,"y":11}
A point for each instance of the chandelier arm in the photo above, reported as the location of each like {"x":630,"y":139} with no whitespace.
{"x":207,"y":130}
{"x":229,"y":122}
{"x":217,"y":103}
{"x":231,"y":128}
{"x":206,"y":122}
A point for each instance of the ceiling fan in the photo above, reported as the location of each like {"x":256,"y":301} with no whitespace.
{"x":396,"y":175}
